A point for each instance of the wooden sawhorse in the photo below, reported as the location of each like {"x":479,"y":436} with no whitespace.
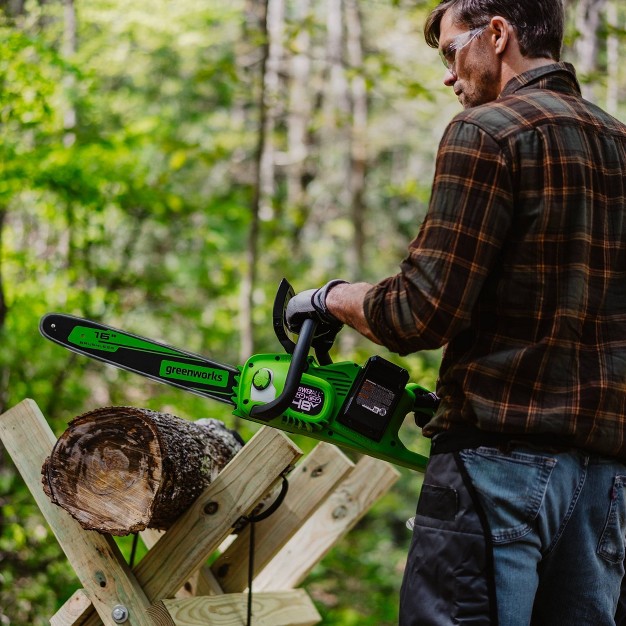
{"x":172,"y":585}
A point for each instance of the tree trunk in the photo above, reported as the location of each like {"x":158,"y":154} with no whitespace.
{"x":12,"y":8}
{"x":588,"y":18}
{"x":119,"y":470}
{"x":3,"y":302}
{"x":358,"y":140}
{"x":5,"y":369}
{"x":336,"y":96}
{"x":275,"y":23}
{"x":249,"y":276}
{"x":69,"y":50}
{"x":299,"y":115}
{"x":612,"y":58}
{"x":334,"y":134}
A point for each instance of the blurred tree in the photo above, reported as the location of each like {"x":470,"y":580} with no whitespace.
{"x":358,"y":134}
{"x":589,"y":15}
{"x":612,"y":57}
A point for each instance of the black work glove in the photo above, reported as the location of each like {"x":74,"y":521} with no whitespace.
{"x":311,"y":304}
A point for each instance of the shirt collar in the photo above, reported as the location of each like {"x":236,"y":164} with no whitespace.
{"x":555,"y":76}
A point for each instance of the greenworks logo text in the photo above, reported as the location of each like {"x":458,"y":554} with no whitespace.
{"x":193,"y":373}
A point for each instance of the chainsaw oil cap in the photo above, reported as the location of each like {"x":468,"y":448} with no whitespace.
{"x":262,"y":378}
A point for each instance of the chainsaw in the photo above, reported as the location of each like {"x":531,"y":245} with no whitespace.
{"x":358,"y":407}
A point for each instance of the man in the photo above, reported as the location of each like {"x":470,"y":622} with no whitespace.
{"x":519,"y":269}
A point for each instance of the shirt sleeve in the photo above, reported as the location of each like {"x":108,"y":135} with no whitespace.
{"x":432,"y":298}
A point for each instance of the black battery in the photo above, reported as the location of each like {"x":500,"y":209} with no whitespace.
{"x":371,"y":403}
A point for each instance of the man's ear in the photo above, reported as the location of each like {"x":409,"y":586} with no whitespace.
{"x":501,"y":32}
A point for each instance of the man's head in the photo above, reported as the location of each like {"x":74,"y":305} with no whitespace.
{"x":484,"y":43}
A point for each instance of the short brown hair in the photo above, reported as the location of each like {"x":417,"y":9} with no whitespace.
{"x":539,"y":23}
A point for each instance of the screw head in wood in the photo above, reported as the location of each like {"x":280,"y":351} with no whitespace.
{"x":119,"y":614}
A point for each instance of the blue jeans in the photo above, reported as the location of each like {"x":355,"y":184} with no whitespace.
{"x":558,"y":525}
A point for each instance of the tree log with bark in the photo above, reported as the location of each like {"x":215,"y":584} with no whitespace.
{"x":120,"y":470}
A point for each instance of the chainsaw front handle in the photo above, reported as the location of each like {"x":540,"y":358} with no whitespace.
{"x":297,"y":367}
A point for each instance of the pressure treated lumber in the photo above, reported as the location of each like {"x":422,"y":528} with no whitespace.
{"x":200,"y":583}
{"x":345,"y":506}
{"x":309,"y":485}
{"x":119,"y":470}
{"x":73,"y":610}
{"x":283,"y":608}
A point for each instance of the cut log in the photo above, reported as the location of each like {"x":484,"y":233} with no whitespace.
{"x":119,"y":470}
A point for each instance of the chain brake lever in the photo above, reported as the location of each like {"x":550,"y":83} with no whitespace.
{"x":321,"y":344}
{"x":283,"y":295}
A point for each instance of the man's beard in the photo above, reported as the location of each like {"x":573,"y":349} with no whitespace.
{"x":481,"y":86}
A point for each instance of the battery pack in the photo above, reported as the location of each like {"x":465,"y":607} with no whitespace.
{"x":373,"y":399}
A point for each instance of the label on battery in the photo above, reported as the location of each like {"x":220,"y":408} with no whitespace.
{"x":375,"y":398}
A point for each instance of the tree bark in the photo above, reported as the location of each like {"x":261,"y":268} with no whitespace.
{"x":120,"y":470}
{"x":69,"y":50}
{"x":588,"y":18}
{"x":336,"y":105}
{"x":335,"y":130}
{"x":299,"y":117}
{"x":249,"y":276}
{"x":275,"y":23}
{"x":3,"y":302}
{"x":358,"y":132}
{"x":612,"y":58}
{"x":4,"y":309}
{"x":12,"y":8}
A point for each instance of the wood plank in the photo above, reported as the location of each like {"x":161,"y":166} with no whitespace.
{"x":309,"y":485}
{"x":369,"y":480}
{"x":202,"y":582}
{"x":95,"y":558}
{"x":207,"y":584}
{"x":74,"y":611}
{"x":201,"y":529}
{"x":191,"y":587}
{"x":285,"y":608}
{"x":160,"y":615}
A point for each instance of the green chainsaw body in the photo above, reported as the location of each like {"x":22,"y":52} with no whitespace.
{"x":324,"y":406}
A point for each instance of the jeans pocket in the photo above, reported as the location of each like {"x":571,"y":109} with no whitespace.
{"x":510,"y":486}
{"x":611,"y":545}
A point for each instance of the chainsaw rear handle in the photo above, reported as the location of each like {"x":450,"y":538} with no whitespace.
{"x":297,"y":367}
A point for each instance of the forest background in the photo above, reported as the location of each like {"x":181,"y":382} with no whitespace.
{"x":164,"y":164}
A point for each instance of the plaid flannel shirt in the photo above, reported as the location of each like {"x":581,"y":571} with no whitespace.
{"x":519,"y":269}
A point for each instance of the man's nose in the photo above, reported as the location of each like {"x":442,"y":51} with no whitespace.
{"x":450,"y":78}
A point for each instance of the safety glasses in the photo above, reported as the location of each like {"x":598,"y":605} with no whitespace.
{"x":448,"y":54}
